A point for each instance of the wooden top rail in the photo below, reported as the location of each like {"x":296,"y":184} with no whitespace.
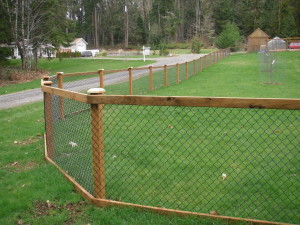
{"x":66,"y":94}
{"x":258,"y":103}
{"x":80,"y":74}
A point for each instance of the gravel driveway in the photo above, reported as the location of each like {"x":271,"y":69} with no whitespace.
{"x":35,"y":95}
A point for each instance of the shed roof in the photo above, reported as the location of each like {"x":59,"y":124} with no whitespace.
{"x":258,"y":33}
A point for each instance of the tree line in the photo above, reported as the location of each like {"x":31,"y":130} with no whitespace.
{"x":126,"y":23}
{"x":123,"y":22}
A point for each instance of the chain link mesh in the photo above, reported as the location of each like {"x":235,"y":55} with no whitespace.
{"x":54,"y":80}
{"x":238,"y":162}
{"x":72,"y":140}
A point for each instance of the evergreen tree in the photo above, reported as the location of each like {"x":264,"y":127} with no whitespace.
{"x":229,"y":37}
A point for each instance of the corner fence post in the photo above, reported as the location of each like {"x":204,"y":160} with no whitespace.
{"x":101,"y":77}
{"x":166,"y":75}
{"x":150,"y":78}
{"x":48,"y":119}
{"x":98,"y":145}
{"x":61,"y":99}
{"x":186,"y":70}
{"x":177,"y":73}
{"x":130,"y":80}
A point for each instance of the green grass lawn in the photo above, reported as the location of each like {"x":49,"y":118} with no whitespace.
{"x":71,"y":66}
{"x":237,"y":76}
{"x":27,"y":181}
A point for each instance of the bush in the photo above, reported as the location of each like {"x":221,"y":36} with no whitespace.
{"x":176,"y":45}
{"x":68,"y":54}
{"x":103,"y":53}
{"x":230,"y":37}
{"x":196,"y":45}
{"x":163,"y":49}
{"x":5,"y":52}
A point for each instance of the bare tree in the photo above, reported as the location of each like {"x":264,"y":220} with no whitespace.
{"x":31,"y":23}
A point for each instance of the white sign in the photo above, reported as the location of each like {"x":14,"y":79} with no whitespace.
{"x":146,"y":50}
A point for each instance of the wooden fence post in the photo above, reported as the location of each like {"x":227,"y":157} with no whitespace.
{"x":101,"y":77}
{"x":98,"y":145}
{"x":186,"y":70}
{"x":166,"y":75}
{"x":151,"y":78}
{"x":61,"y":99}
{"x":49,"y":119}
{"x":200,"y":64}
{"x":130,"y":81}
{"x":177,"y":74}
{"x":215,"y":57}
{"x":194,"y":66}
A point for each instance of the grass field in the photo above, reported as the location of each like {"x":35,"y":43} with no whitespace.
{"x":71,"y":66}
{"x":236,"y":76}
{"x":30,"y":181}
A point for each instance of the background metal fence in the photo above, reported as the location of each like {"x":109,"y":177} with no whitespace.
{"x":235,"y":157}
{"x":136,"y":81}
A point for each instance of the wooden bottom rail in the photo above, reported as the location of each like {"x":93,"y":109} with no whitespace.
{"x":103,"y":202}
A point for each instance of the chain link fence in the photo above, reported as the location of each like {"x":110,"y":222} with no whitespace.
{"x":238,"y":162}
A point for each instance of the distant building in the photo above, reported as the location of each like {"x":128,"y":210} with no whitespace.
{"x":256,"y":39}
{"x":43,"y":51}
{"x":276,"y":44}
{"x":78,"y":45}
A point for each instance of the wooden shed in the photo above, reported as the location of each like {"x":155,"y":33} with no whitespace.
{"x":256,"y":39}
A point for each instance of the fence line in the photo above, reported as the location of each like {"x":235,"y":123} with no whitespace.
{"x":185,"y":70}
{"x":183,"y":155}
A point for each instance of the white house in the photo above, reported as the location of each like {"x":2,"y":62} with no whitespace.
{"x":78,"y":45}
{"x":44,"y":51}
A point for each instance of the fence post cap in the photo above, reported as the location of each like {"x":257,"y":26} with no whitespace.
{"x":59,"y":73}
{"x":95,"y":91}
{"x":130,"y":68}
{"x":101,"y":70}
{"x":47,"y":83}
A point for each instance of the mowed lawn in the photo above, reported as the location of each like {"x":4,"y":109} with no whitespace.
{"x":238,"y":76}
{"x":30,"y":181}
